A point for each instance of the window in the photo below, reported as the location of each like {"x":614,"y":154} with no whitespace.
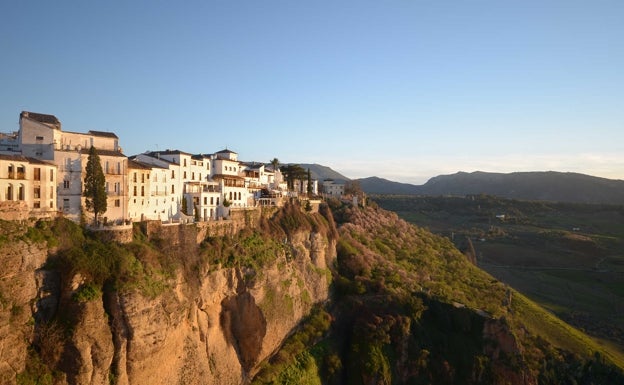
{"x":37,"y":173}
{"x":172,"y":174}
{"x":9,"y":192}
{"x":51,"y":204}
{"x":142,"y":191}
{"x":184,"y":162}
{"x":51,"y":175}
{"x":184,"y":174}
{"x":230,"y":195}
{"x":117,"y":203}
{"x":21,"y":172}
{"x":193,"y":176}
{"x":205,"y":200}
{"x":134,"y":177}
{"x":142,"y":178}
{"x":118,"y":167}
{"x":20,"y":193}
{"x":66,"y":204}
{"x":37,"y":205}
{"x":51,"y":193}
{"x":37,"y":193}
{"x":211,"y":201}
{"x":39,"y":138}
{"x":65,"y":184}
{"x":172,"y":189}
{"x":135,"y":191}
{"x":217,"y":201}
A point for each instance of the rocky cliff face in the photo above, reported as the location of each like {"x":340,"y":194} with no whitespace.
{"x":213,"y":324}
{"x":20,"y":286}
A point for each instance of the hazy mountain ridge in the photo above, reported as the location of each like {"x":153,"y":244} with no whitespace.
{"x":547,"y":186}
{"x":320,"y":172}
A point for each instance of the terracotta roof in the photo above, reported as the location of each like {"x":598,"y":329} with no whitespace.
{"x":104,"y":134}
{"x":42,"y":118}
{"x":39,"y":161}
{"x":252,"y":165}
{"x":102,"y":152}
{"x":226,"y":176}
{"x":167,"y":152}
{"x":133,"y":164}
{"x":20,"y":158}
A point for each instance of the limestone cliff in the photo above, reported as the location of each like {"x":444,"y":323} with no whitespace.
{"x":187,"y":317}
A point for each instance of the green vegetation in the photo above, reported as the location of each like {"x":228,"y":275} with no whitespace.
{"x":408,"y":307}
{"x":567,"y":257}
{"x":36,"y":372}
{"x":294,"y":364}
{"x":94,"y":185}
{"x":87,"y":293}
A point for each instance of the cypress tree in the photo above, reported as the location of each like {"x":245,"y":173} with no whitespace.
{"x":94,"y":185}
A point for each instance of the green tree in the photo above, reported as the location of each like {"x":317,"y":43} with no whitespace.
{"x":274,"y":162}
{"x":94,"y":185}
{"x":184,"y":206}
{"x":291,"y":173}
{"x":353,"y":188}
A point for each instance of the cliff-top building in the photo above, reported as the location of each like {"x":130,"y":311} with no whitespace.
{"x":44,"y":167}
{"x":41,"y":137}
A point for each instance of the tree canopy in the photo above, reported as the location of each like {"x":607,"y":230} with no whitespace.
{"x":293,"y":172}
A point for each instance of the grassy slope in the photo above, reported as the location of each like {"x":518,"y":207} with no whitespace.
{"x":575,"y":274}
{"x":385,"y":268}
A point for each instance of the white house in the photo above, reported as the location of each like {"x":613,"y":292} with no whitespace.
{"x":139,"y":187}
{"x":332,"y":188}
{"x":31,"y":181}
{"x":41,"y":137}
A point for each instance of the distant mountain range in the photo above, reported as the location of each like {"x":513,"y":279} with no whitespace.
{"x":546,"y":186}
{"x":320,"y":172}
{"x":539,"y":185}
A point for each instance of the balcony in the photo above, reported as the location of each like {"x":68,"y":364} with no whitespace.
{"x":17,"y":175}
{"x":112,"y":171}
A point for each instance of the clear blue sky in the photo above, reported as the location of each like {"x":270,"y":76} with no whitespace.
{"x":404,"y":90}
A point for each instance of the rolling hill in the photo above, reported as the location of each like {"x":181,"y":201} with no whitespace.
{"x":320,"y":172}
{"x":544,"y":186}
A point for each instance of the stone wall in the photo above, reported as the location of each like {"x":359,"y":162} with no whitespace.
{"x":13,"y":210}
{"x":238,"y":219}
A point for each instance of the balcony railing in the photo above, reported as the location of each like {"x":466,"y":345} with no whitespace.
{"x":16,"y":175}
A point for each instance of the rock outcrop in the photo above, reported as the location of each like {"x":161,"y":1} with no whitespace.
{"x":212,"y":325}
{"x":20,"y":287}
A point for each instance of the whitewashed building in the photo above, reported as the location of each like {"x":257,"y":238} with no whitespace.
{"x":29,"y":180}
{"x":41,"y":137}
{"x":332,"y":188}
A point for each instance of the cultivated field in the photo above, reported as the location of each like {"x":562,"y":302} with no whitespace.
{"x":567,"y":257}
